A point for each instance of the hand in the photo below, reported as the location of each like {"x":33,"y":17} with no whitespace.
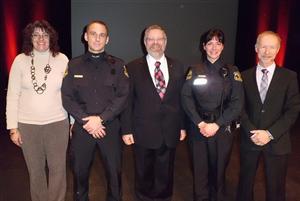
{"x":201,"y":127}
{"x":182,"y":135}
{"x":202,"y":124}
{"x":99,"y":133}
{"x":260,"y":137}
{"x":94,"y":126}
{"x":70,"y":130}
{"x":15,"y":136}
{"x":210,"y":129}
{"x":128,"y":139}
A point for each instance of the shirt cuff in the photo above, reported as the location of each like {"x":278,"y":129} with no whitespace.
{"x":270,"y":135}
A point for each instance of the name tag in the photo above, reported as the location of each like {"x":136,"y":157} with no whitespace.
{"x":78,"y":76}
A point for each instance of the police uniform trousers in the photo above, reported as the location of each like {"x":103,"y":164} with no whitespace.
{"x":83,"y":147}
{"x":275,"y":167}
{"x":210,"y":157}
{"x":154,"y":171}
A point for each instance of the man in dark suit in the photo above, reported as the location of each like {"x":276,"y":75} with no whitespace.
{"x":153,"y":121}
{"x":271,"y":107}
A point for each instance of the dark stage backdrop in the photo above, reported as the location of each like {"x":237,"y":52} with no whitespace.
{"x":184,"y":21}
{"x":281,"y":16}
{"x":14,"y":16}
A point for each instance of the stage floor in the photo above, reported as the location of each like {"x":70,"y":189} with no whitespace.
{"x":14,"y":181}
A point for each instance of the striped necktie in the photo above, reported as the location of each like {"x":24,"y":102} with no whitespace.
{"x":264,"y":85}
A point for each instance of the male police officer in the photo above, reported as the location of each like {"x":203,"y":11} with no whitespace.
{"x":94,"y":92}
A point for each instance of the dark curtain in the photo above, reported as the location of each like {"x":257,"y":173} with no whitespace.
{"x":281,"y":16}
{"x":15,"y":15}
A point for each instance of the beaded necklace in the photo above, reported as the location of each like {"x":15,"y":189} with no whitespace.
{"x":47,"y":69}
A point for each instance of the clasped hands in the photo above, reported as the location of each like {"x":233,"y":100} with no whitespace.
{"x":260,"y":137}
{"x":94,"y":126}
{"x":208,"y":129}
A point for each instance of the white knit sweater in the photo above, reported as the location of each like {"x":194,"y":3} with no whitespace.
{"x":23,"y":103}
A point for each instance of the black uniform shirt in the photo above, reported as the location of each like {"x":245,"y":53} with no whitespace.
{"x":220,"y":87}
{"x":95,"y":85}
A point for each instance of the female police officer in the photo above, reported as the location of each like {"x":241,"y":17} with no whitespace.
{"x":212,"y":99}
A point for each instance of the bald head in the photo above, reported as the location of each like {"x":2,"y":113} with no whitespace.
{"x":268,"y":34}
{"x":267,"y":46}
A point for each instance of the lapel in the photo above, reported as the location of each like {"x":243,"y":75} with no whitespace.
{"x":145,"y":72}
{"x":272,"y":87}
{"x":254,"y":83}
{"x":171,"y":77}
{"x":274,"y":84}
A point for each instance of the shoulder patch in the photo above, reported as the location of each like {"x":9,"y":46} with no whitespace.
{"x":189,"y":74}
{"x":66,"y":72}
{"x":125,"y":71}
{"x":237,"y":76}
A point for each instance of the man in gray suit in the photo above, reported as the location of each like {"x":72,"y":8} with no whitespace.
{"x":271,"y":107}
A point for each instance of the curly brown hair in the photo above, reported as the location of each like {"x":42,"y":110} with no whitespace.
{"x":45,"y":26}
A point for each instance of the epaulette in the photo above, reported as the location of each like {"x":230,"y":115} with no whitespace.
{"x":111,"y":59}
{"x":199,"y":69}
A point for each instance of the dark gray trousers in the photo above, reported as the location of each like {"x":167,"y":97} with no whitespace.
{"x":46,"y":144}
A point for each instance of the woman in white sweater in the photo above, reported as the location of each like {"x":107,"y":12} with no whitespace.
{"x":35,"y":116}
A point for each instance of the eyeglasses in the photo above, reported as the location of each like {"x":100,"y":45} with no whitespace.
{"x":150,"y":40}
{"x":39,"y":36}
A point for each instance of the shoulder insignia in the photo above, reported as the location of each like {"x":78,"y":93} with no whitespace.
{"x":237,"y":76}
{"x":125,"y":71}
{"x":189,"y":74}
{"x":66,"y":72}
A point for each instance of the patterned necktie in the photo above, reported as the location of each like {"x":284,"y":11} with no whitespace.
{"x":263,"y":85}
{"x":160,"y":83}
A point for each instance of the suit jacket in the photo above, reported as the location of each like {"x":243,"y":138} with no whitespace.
{"x":153,"y":121}
{"x":277,"y":114}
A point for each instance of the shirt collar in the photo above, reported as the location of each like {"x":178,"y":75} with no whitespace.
{"x":217,"y":64}
{"x":152,"y":60}
{"x":270,"y":68}
{"x":89,"y":56}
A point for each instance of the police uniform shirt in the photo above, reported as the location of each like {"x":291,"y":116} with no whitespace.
{"x":207,"y":97}
{"x":95,"y":85}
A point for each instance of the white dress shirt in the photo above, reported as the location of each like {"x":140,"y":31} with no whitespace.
{"x":259,"y":74}
{"x":163,"y":67}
